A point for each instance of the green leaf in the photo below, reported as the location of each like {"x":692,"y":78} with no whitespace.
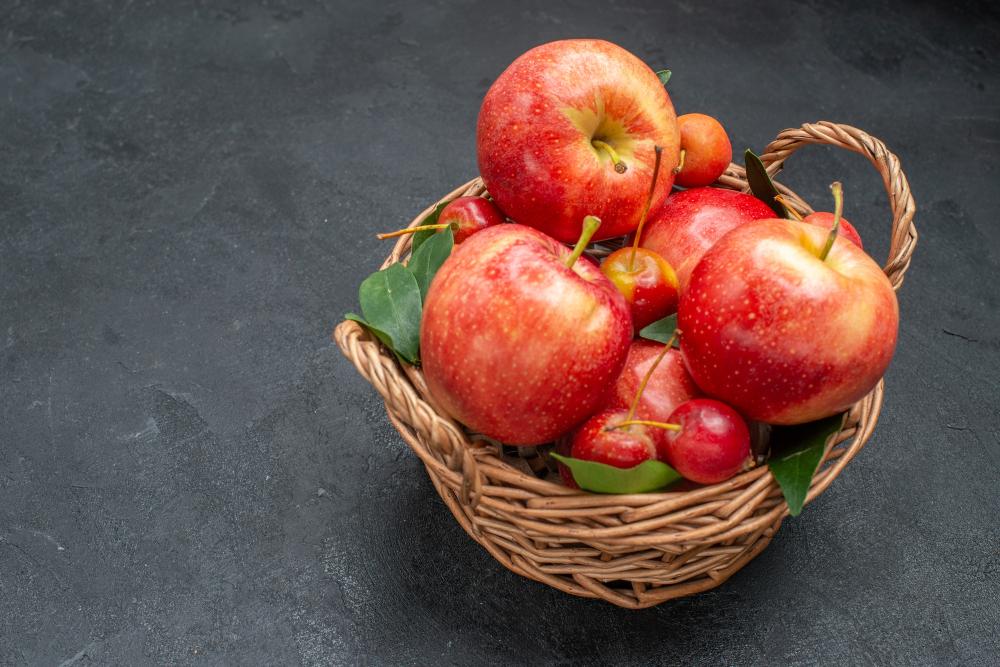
{"x":602,"y":478}
{"x":421,"y":236}
{"x":390,"y":301}
{"x":381,"y":335}
{"x":661,"y":330}
{"x":761,"y":185}
{"x":796,"y":452}
{"x":428,"y":258}
{"x":664,"y":75}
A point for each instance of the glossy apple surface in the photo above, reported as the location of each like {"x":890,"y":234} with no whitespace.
{"x":712,"y":445}
{"x":690,"y":222}
{"x":648,"y":284}
{"x":824,"y":219}
{"x":781,"y":335}
{"x":468,"y":215}
{"x":537,"y":130}
{"x":624,"y":447}
{"x":707,"y":151}
{"x":668,"y":386}
{"x":516,"y":345}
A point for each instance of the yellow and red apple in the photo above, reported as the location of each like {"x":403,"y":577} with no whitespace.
{"x":514,"y":343}
{"x":569,"y":129}
{"x":780,"y":333}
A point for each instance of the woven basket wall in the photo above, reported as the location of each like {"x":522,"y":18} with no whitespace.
{"x":631,"y":550}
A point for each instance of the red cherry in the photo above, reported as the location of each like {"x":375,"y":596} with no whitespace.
{"x":597,"y":440}
{"x":707,"y":151}
{"x":648,"y":283}
{"x":468,"y":215}
{"x":712,"y":445}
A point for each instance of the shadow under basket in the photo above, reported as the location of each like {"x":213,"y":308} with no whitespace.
{"x":637,"y":550}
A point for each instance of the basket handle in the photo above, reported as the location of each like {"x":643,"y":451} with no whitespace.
{"x":904,"y":234}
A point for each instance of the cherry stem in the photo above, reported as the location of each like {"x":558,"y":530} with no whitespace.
{"x":412,"y":230}
{"x":838,"y":209}
{"x":616,"y":160}
{"x":781,"y":199}
{"x":645,"y":380}
{"x":645,"y":210}
{"x":680,"y":163}
{"x":590,"y":225}
{"x":646,"y":422}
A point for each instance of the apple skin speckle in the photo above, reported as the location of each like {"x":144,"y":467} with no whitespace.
{"x":516,"y":345}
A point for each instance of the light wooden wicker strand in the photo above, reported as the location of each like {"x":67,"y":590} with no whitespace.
{"x":631,"y":550}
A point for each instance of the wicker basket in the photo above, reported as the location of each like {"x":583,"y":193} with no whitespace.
{"x":631,"y":550}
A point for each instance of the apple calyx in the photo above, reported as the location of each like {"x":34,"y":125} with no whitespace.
{"x":590,"y":225}
{"x":781,"y":199}
{"x":616,"y":159}
{"x":838,"y":209}
{"x":412,"y":230}
{"x":645,"y":209}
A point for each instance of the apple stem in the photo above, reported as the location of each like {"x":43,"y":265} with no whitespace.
{"x":680,"y":162}
{"x":412,"y":230}
{"x":645,"y":210}
{"x":781,"y":199}
{"x":838,"y":209}
{"x":590,"y":225}
{"x":616,"y":160}
{"x":646,"y":422}
{"x":645,"y":379}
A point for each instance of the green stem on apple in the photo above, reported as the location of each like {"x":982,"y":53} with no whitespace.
{"x":645,"y":209}
{"x":616,"y":160}
{"x":838,"y":209}
{"x":412,"y":230}
{"x":645,"y":379}
{"x":781,"y":199}
{"x":590,"y":225}
{"x":646,"y":422}
{"x":680,"y":162}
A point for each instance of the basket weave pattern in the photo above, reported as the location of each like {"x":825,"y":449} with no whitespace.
{"x":631,"y":550}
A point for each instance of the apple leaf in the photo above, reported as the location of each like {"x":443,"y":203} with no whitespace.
{"x":390,"y":301}
{"x":760,"y":183}
{"x":421,"y":236}
{"x":661,"y":330}
{"x":796,"y":452}
{"x":602,"y":478}
{"x":382,"y":336}
{"x":428,"y":258}
{"x":664,"y":75}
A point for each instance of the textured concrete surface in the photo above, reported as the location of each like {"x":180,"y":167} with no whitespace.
{"x":190,"y":473}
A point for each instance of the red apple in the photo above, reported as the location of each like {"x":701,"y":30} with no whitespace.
{"x":712,"y":445}
{"x":707,"y":151}
{"x":570,"y":129}
{"x":668,"y":386}
{"x":825,"y":220}
{"x":690,"y":222}
{"x":779,"y":333}
{"x":648,"y":284}
{"x":626,"y":447}
{"x":468,"y":215}
{"x":517,"y":345}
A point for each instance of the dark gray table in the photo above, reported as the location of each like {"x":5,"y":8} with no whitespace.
{"x":191,"y":473}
